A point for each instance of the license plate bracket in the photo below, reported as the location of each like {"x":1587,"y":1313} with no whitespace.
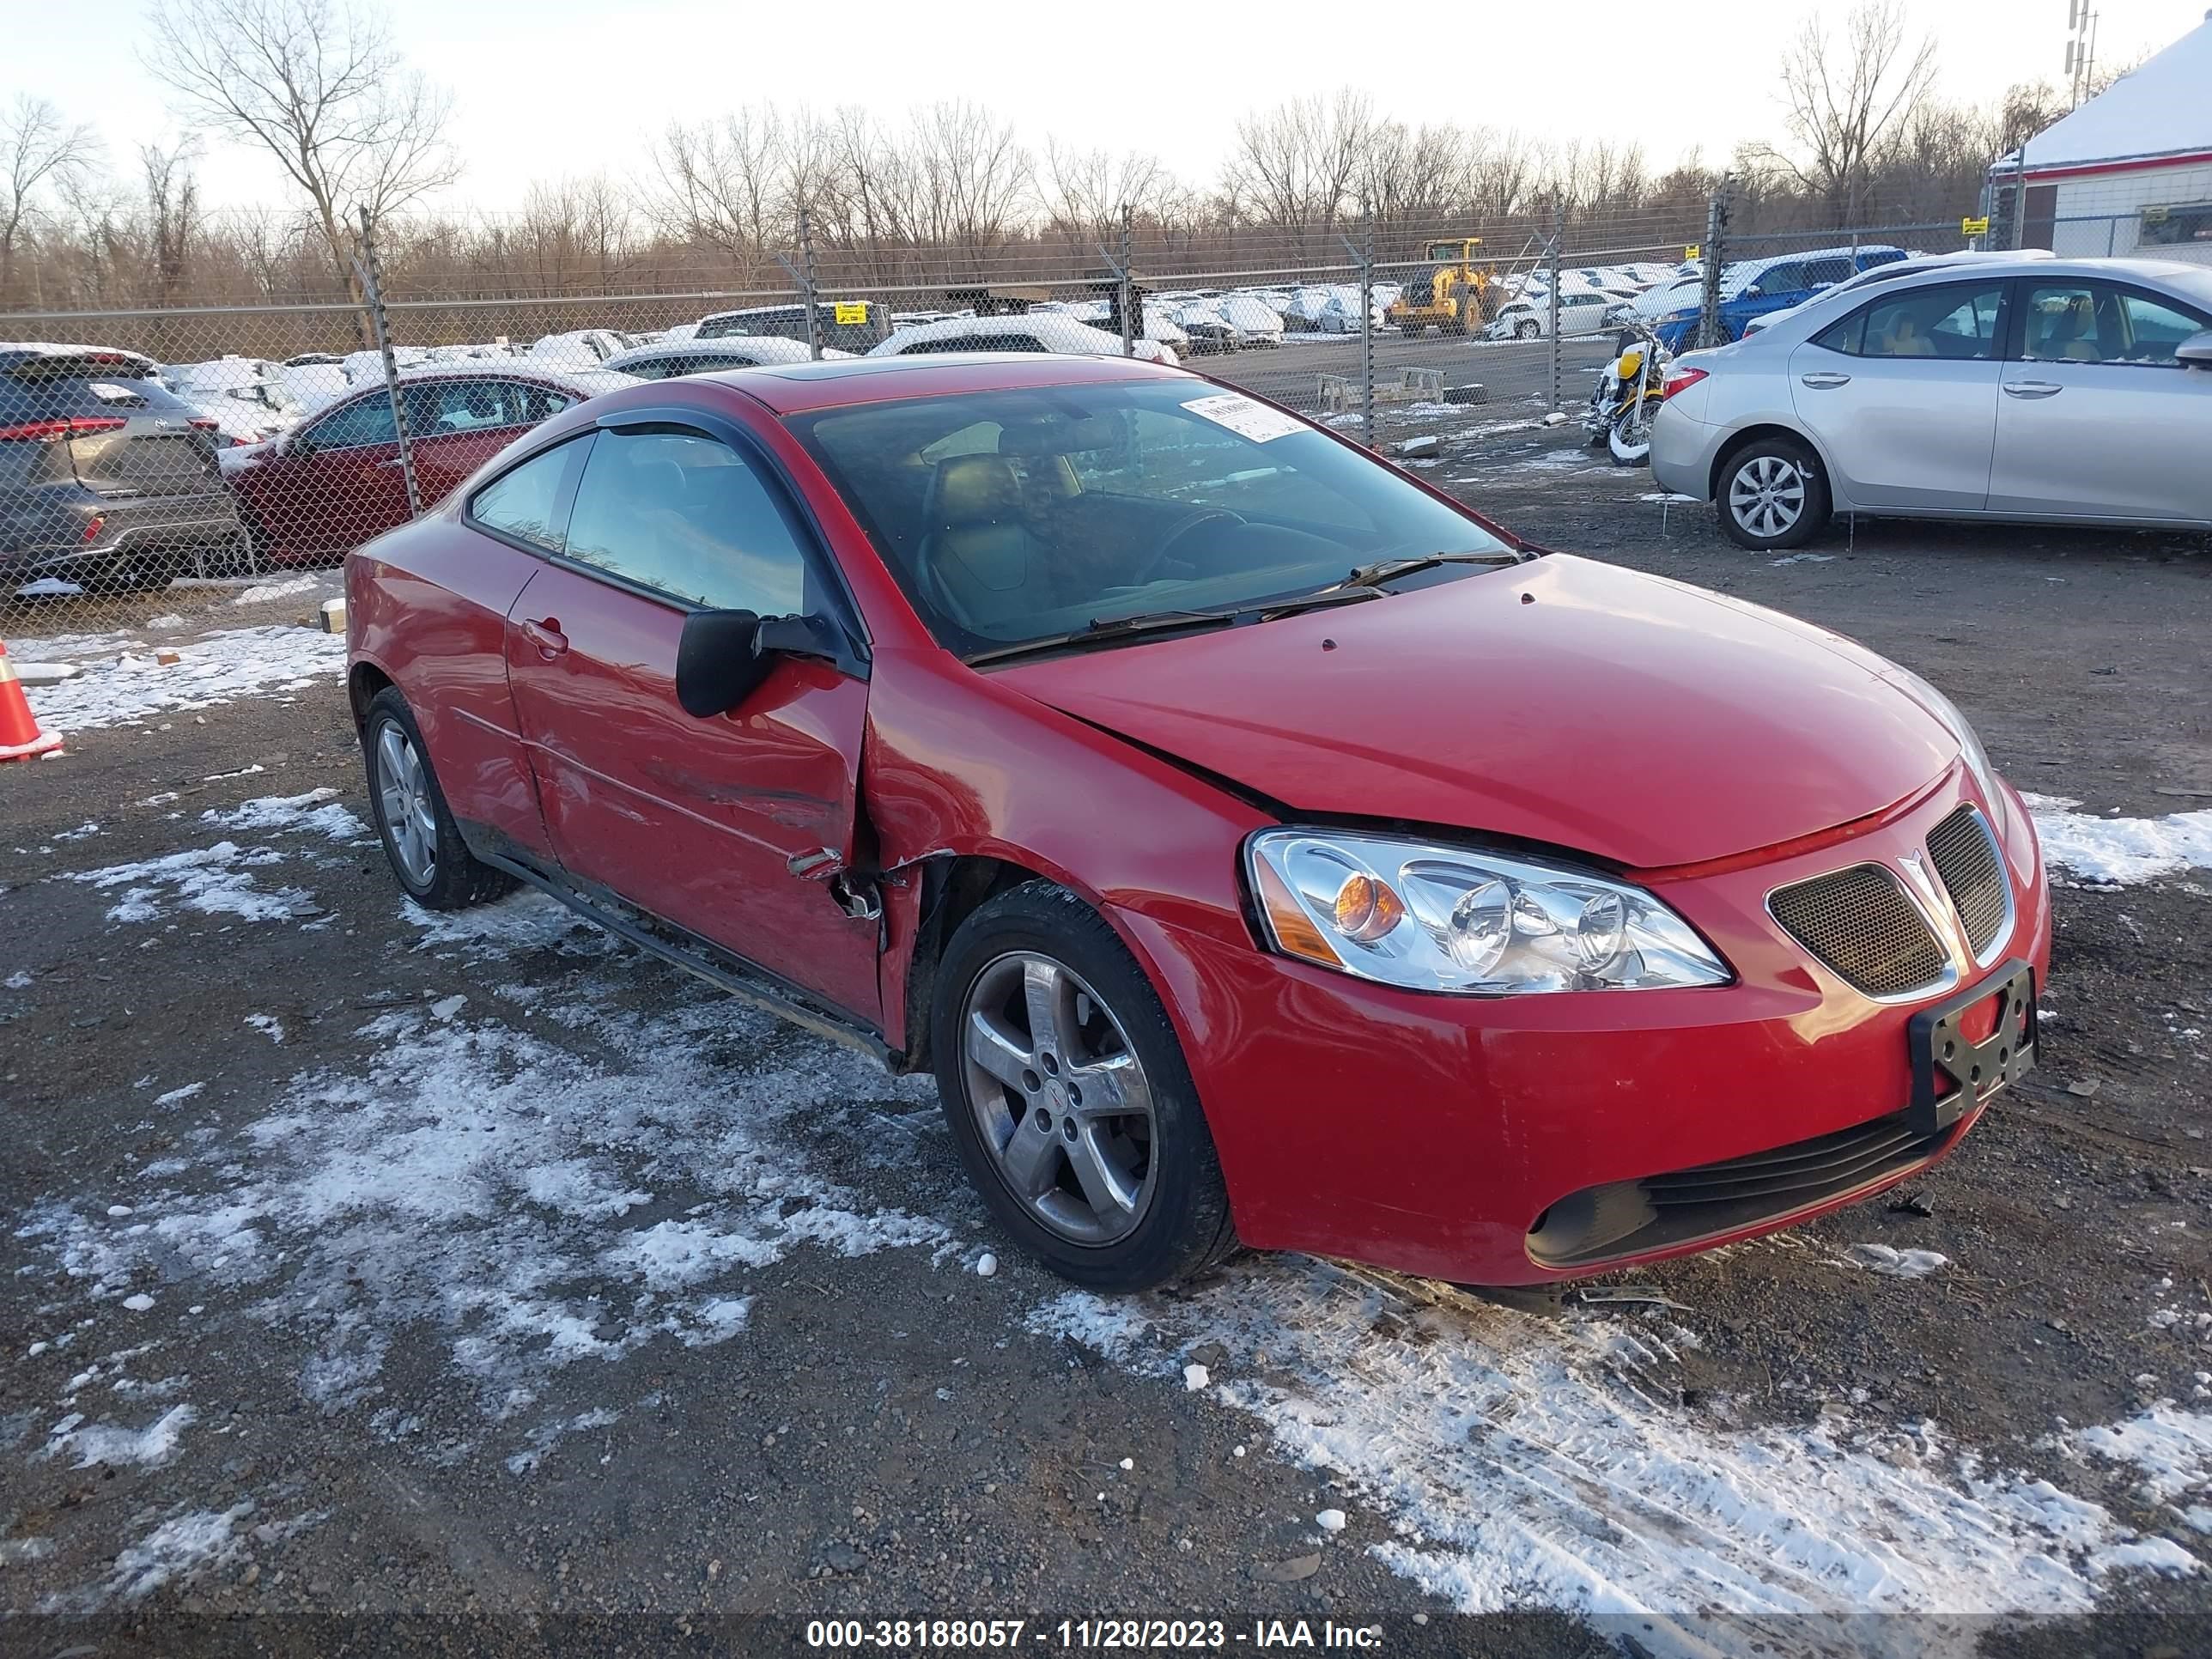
{"x":1940,"y":1050}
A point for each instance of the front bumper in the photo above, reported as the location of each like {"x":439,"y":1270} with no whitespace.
{"x":1436,"y":1135}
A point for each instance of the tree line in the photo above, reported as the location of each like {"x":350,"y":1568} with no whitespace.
{"x":946,"y":194}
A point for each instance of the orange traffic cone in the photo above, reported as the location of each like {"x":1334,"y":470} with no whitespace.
{"x":20,"y":737}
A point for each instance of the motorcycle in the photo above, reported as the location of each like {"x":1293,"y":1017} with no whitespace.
{"x":1627,"y":398}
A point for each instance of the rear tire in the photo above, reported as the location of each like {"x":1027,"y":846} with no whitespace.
{"x":422,"y":842}
{"x":1771,"y":494}
{"x":1037,"y":1000}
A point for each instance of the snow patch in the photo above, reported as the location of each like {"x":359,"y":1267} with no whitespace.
{"x":316,"y":813}
{"x":217,"y":880}
{"x":1895,"y":1263}
{"x":1521,"y":1463}
{"x":217,"y":668}
{"x":104,"y":1442}
{"x":2120,"y":851}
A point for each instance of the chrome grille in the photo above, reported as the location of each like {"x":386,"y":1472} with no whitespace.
{"x":1859,"y":922}
{"x":1965,"y":855}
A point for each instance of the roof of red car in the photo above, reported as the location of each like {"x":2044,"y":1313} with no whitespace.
{"x":799,"y":388}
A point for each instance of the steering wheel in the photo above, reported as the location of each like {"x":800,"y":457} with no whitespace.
{"x":1180,"y":528}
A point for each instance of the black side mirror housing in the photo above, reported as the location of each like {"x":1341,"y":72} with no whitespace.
{"x":725,"y":655}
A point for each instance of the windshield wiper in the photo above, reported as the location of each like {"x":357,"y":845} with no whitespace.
{"x":1102,"y":630}
{"x":1106,"y":629}
{"x":1383,"y":570}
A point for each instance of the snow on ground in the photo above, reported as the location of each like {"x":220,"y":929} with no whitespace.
{"x":262,"y":593}
{"x":218,"y":880}
{"x":123,"y":683}
{"x":2120,"y":851}
{"x":317,"y":810}
{"x":1519,"y":1462}
{"x":535,"y":1204}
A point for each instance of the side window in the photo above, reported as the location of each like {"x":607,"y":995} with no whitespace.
{"x":541,"y":402}
{"x":2072,"y":323}
{"x":685,"y":515}
{"x":2154,"y":327}
{"x":441,"y":408}
{"x":1957,"y":321}
{"x":527,"y":501}
{"x":1826,"y":273}
{"x":364,"y":421}
{"x":1780,"y":279}
{"x":1845,"y":336}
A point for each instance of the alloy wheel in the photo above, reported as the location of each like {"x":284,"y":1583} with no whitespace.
{"x":1059,"y":1097}
{"x":411,"y":822}
{"x":1767,"y":495}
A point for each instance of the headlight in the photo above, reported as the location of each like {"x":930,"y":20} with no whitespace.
{"x":1970,"y":741}
{"x":1434,"y":917}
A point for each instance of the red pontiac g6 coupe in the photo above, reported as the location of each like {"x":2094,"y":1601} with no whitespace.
{"x":1257,"y":844}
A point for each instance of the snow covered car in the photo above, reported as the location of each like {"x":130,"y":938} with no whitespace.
{"x":247,"y":397}
{"x":579,"y":347}
{"x":1030,"y":331}
{"x":1097,"y":738}
{"x":669,"y":358}
{"x":1257,"y":323}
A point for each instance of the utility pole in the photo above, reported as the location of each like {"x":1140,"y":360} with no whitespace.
{"x":1713,"y":255}
{"x":2081,"y":63}
{"x":371,"y":273}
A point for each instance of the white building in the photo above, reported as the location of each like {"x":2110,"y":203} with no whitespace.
{"x":2130,"y":170}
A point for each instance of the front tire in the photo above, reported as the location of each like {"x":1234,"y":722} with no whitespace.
{"x":430,"y":861}
{"x":1629,"y":439}
{"x":1527,"y":331}
{"x":1771,"y":494}
{"x":1068,"y":1096}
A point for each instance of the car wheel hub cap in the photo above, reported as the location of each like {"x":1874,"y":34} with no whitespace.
{"x":1061,"y":1100}
{"x":1768,"y":496}
{"x":410,"y":824}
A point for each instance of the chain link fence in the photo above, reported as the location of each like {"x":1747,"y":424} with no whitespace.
{"x":227,"y":443}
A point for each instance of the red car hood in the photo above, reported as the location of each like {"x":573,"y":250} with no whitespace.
{"x":1564,"y":700}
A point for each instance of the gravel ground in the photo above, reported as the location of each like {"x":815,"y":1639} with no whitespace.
{"x":404,"y":1273}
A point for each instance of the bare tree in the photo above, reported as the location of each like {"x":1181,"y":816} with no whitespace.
{"x":322,"y":89}
{"x":38,"y":152}
{"x":1844,"y":99}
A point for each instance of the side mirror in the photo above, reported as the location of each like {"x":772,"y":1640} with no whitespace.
{"x":2195,"y":351}
{"x":725,"y":655}
{"x":1754,"y":291}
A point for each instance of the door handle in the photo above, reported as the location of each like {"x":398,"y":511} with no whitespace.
{"x":391,"y":465}
{"x":2032,"y":389}
{"x":1826,"y":381}
{"x":547,"y":636}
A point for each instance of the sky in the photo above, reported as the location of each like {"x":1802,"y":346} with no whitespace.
{"x":548,"y":89}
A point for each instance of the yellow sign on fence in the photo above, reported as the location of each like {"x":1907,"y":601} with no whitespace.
{"x":1973,"y":227}
{"x":1691,"y":251}
{"x":852,"y":311}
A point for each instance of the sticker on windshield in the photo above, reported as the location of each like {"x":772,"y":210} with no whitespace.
{"x":1245,"y":417}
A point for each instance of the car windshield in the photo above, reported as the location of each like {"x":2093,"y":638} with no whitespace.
{"x":1020,"y":515}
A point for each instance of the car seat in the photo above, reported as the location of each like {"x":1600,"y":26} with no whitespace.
{"x":978,"y":556}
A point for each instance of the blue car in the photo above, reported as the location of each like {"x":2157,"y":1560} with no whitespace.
{"x":1751,"y":288}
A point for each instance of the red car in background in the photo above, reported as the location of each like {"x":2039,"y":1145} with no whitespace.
{"x":334,"y":481}
{"x":1255,"y":843}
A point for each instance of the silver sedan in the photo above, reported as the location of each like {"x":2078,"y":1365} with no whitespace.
{"x":2049,"y":390}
